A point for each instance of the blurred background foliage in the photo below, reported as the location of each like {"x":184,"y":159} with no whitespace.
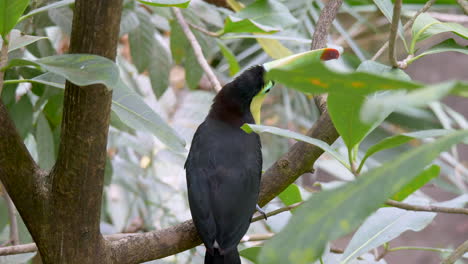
{"x":145,"y":180}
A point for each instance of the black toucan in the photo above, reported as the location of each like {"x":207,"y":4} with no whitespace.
{"x":224,"y":167}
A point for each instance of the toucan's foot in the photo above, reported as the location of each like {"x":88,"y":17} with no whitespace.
{"x":260,"y":210}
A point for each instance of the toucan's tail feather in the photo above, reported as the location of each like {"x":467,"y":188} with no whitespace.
{"x":231,"y":257}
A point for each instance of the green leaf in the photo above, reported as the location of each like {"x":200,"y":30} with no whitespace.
{"x":291,"y":195}
{"x":149,"y":54}
{"x":395,"y":141}
{"x":82,"y":69}
{"x":418,"y":182}
{"x":10,"y":12}
{"x":448,"y":45}
{"x":249,"y":128}
{"x":178,"y":42}
{"x":193,"y":71}
{"x":426,"y":26}
{"x":63,"y":18}
{"x":176,"y":3}
{"x":45,"y":143}
{"x":231,"y":59}
{"x":22,"y":115}
{"x":383,"y":226}
{"x":376,"y":107}
{"x":383,"y":70}
{"x":129,"y":22}
{"x":262,"y":16}
{"x":344,"y":111}
{"x":251,"y":253}
{"x":331,"y":214}
{"x":19,"y":40}
{"x":134,"y":112}
{"x":47,"y":8}
{"x":299,"y":76}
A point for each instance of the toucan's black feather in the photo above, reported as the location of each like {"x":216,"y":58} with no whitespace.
{"x":224,"y":168}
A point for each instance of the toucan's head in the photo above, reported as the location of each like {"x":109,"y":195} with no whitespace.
{"x":247,"y":91}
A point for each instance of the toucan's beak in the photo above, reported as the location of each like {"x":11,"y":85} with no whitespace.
{"x":297,"y":59}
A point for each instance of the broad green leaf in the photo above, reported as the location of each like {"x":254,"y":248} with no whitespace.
{"x":31,"y":145}
{"x":22,"y":114}
{"x":176,"y":3}
{"x":448,"y":45}
{"x":376,"y":107}
{"x":63,"y":18}
{"x":45,"y":143}
{"x":129,"y":22}
{"x":331,"y":214}
{"x":383,"y":70}
{"x":178,"y":42}
{"x":264,"y":36}
{"x":193,"y":70}
{"x":19,"y":40}
{"x":386,"y":7}
{"x":426,"y":26}
{"x":149,"y":54}
{"x":299,"y":76}
{"x":291,"y":195}
{"x":82,"y":69}
{"x":344,"y":111}
{"x":10,"y":12}
{"x":251,"y":253}
{"x":395,"y":141}
{"x":249,"y":128}
{"x":262,"y":16}
{"x":133,"y":111}
{"x":47,"y":8}
{"x":418,"y":182}
{"x":383,"y":226}
{"x":231,"y":59}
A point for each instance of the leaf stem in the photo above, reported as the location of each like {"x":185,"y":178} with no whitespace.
{"x":405,"y":27}
{"x":428,"y":208}
{"x":197,"y":50}
{"x":393,"y":33}
{"x":457,"y":253}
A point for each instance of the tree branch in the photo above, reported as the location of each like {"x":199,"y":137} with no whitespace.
{"x":328,"y":14}
{"x":197,"y":50}
{"x":464,"y":6}
{"x":457,"y":254}
{"x":405,"y":27}
{"x":277,"y":211}
{"x":393,"y":33}
{"x":428,"y":208}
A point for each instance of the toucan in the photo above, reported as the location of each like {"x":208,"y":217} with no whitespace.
{"x":224,"y":167}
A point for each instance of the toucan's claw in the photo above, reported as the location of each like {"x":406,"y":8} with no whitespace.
{"x":260,"y":210}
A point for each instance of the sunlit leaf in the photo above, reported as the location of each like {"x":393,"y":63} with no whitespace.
{"x":448,"y":45}
{"x":249,"y":128}
{"x":19,"y":40}
{"x":10,"y":12}
{"x":82,"y":69}
{"x":48,"y":7}
{"x":418,"y":182}
{"x":383,"y":226}
{"x":251,"y":253}
{"x":426,"y":26}
{"x":291,"y":195}
{"x":262,"y":16}
{"x":231,"y":59}
{"x":132,"y":110}
{"x":330,"y":214}
{"x":176,"y":3}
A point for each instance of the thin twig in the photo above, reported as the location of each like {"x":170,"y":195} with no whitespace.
{"x":14,"y":235}
{"x":319,"y":39}
{"x":257,"y":237}
{"x":405,"y":27}
{"x":457,"y":254}
{"x":3,"y":60}
{"x":204,"y":31}
{"x":197,"y":50}
{"x":393,"y":33}
{"x":277,"y":211}
{"x":427,"y":208}
{"x":464,"y":5}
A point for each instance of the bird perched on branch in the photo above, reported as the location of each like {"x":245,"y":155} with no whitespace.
{"x":224,"y":167}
